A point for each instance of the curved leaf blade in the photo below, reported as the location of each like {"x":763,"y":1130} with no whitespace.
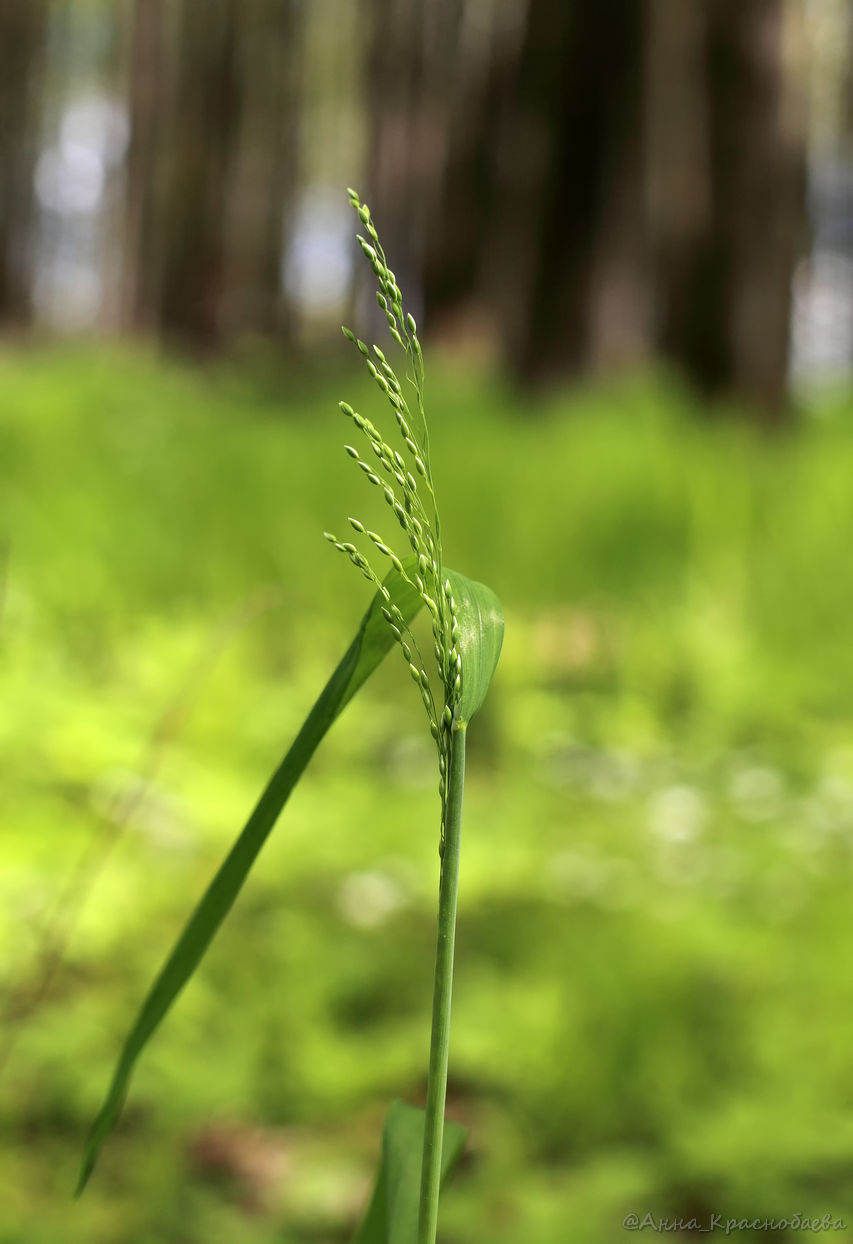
{"x":372,"y":641}
{"x":392,"y":1216}
{"x":481,"y":632}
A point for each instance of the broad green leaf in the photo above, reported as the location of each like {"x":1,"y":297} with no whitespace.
{"x":392,"y":1216}
{"x":370,"y":645}
{"x":481,"y":632}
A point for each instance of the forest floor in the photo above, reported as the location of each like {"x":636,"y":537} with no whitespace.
{"x":653,"y":998}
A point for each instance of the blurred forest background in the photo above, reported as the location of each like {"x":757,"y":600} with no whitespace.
{"x":626,"y":231}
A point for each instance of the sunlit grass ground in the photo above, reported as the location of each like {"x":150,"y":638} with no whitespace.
{"x":653,"y":1005}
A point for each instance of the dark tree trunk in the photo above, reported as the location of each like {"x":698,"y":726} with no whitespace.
{"x":22,"y":36}
{"x":412,"y":65}
{"x":145,"y":189}
{"x":460,"y":226}
{"x":395,"y":70}
{"x":727,"y":282}
{"x":205,"y":121}
{"x":570,"y":265}
{"x":264,"y":180}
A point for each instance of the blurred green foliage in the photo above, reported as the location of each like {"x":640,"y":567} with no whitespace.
{"x":653,"y":1004}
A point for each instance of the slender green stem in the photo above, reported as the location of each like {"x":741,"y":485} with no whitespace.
{"x":442,"y":990}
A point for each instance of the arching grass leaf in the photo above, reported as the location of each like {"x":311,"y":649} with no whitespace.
{"x":364,"y":654}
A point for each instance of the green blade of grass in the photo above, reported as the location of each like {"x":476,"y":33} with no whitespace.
{"x":392,"y":1216}
{"x":481,"y":632}
{"x":371,"y":643}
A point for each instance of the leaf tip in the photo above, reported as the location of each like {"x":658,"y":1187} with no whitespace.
{"x":86,"y":1168}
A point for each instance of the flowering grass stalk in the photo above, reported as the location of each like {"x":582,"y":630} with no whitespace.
{"x":418,"y":1148}
{"x":416,"y":511}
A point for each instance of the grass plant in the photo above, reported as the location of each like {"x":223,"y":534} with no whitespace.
{"x":467,"y":632}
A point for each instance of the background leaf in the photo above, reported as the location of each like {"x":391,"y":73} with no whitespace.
{"x":370,"y":645}
{"x":392,"y":1216}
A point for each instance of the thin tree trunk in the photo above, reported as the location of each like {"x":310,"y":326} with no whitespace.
{"x":207,"y":104}
{"x":264,"y":180}
{"x":143,"y":241}
{"x":394,"y":78}
{"x":22,"y":36}
{"x":459,"y":229}
{"x":727,"y":288}
{"x":570,"y":270}
{"x":411,"y":66}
